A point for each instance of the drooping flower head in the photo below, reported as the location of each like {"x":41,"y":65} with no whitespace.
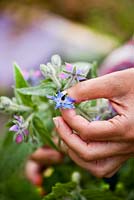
{"x":62,"y":100}
{"x":72,"y":72}
{"x":19,"y":128}
{"x":33,"y":77}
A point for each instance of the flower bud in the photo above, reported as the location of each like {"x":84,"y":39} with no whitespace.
{"x":46,"y":69}
{"x":5,"y":102}
{"x":43,"y":69}
{"x":84,"y":66}
{"x":19,"y":138}
{"x":76,"y":177}
{"x":56,"y":60}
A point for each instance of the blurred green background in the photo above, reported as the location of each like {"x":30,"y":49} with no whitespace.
{"x":112,"y":17}
{"x":31,"y":31}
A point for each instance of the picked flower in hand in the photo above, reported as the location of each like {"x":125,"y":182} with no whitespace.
{"x":62,"y":100}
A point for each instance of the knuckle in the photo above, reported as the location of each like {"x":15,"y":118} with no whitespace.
{"x":120,"y":124}
{"x":85,"y":155}
{"x":129,"y":133}
{"x":128,"y":148}
{"x":126,"y":127}
{"x":84,"y":136}
{"x":109,"y":175}
{"x":99,"y":173}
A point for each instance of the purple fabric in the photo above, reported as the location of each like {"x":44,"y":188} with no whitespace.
{"x":28,"y":49}
{"x":120,"y":59}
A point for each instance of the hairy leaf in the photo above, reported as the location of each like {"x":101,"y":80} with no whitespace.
{"x":97,"y":194}
{"x":20,"y":82}
{"x":43,"y":132}
{"x":40,"y":90}
{"x":61,"y":191}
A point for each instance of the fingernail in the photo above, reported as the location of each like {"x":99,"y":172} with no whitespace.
{"x":56,"y":122}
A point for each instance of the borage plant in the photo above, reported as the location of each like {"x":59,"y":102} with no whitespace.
{"x":37,"y":99}
{"x":33,"y":107}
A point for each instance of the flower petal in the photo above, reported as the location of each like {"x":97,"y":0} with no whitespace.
{"x":69,"y":67}
{"x":97,"y":118}
{"x":18,"y":118}
{"x":63,"y":75}
{"x":69,"y":99}
{"x":14,"y":128}
{"x":26,"y":132}
{"x":50,"y":97}
{"x":62,"y":100}
{"x":19,"y":138}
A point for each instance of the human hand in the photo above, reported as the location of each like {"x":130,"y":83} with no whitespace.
{"x":38,"y":161}
{"x":101,"y":146}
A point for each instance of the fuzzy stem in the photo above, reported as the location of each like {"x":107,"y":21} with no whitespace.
{"x":69,"y":83}
{"x":56,"y":81}
{"x":83,"y":114}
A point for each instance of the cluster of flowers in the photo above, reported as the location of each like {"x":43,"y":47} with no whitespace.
{"x":62,"y":76}
{"x":20,"y":129}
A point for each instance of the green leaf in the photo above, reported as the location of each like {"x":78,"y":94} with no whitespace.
{"x":97,"y":194}
{"x":94,"y":70}
{"x":18,"y":188}
{"x":13,"y":156}
{"x":20,"y":82}
{"x":93,"y":102}
{"x":43,"y":132}
{"x":40,"y":90}
{"x":13,"y":185}
{"x":61,"y":191}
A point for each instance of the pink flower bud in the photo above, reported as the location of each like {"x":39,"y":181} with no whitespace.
{"x":19,"y":138}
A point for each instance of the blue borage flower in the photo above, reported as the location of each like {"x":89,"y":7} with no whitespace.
{"x":19,"y":129}
{"x":62,"y":100}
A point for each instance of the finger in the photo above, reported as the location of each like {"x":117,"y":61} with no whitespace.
{"x":73,"y":141}
{"x":92,"y":150}
{"x":107,"y":86}
{"x":47,"y":156}
{"x":32,"y":171}
{"x":109,"y":175}
{"x":99,"y":168}
{"x":102,"y":150}
{"x":126,"y":157}
{"x":113,"y":129}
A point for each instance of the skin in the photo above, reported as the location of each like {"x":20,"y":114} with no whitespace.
{"x":101,"y":147}
{"x":38,"y":161}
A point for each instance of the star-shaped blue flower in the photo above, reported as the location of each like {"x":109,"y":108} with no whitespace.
{"x":62,"y":100}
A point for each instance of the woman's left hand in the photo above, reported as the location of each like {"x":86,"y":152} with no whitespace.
{"x":38,"y":161}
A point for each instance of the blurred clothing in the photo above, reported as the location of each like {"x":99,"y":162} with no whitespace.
{"x":120,"y":59}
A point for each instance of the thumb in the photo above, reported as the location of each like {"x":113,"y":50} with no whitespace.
{"x":107,"y":86}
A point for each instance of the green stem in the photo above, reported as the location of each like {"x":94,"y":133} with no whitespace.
{"x":27,"y":121}
{"x":83,"y":114}
{"x":69,"y":83}
{"x":56,"y":81}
